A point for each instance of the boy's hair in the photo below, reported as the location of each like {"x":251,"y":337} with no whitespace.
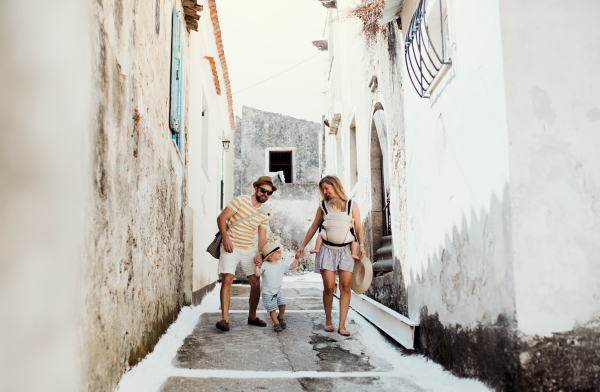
{"x":336,"y":202}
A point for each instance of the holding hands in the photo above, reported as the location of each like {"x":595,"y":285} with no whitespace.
{"x":299,"y":252}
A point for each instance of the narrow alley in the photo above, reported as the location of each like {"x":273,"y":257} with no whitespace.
{"x":194,"y":356}
{"x":430,"y":166}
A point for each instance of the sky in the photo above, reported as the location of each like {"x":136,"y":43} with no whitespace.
{"x":263,"y":38}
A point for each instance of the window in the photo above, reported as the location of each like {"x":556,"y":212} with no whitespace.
{"x":353,"y":155}
{"x":426,"y":46}
{"x":176,"y":81}
{"x":282,"y":161}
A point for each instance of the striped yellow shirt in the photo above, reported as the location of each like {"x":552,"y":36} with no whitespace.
{"x":242,"y":235}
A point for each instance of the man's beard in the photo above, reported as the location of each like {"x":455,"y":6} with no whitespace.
{"x":261,"y":198}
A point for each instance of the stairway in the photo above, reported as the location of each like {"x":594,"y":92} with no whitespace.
{"x":384,"y":256}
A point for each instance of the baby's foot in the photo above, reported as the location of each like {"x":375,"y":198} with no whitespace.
{"x":355,"y":257}
{"x":314,"y":251}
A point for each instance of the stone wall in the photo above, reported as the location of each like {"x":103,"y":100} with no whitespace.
{"x":293,"y":205}
{"x":134,"y":240}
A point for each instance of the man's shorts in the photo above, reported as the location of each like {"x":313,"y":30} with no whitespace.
{"x":272,"y":302}
{"x":229,"y":261}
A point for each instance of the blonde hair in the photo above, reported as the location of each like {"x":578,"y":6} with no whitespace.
{"x":336,"y":202}
{"x":335,"y":182}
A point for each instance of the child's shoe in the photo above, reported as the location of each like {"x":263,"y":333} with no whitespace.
{"x":282,"y":323}
{"x":277,"y":328}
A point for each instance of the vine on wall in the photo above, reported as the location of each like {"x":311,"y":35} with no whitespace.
{"x":369,"y":13}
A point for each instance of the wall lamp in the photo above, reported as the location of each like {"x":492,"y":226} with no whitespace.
{"x":226,"y":145}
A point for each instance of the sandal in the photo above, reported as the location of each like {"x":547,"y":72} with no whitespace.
{"x":282,"y":323}
{"x":328,"y":328}
{"x":343,"y":332}
{"x":277,"y":328}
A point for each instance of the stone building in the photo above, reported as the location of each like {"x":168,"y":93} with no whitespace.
{"x":484,"y":141}
{"x":266,"y":143}
{"x":120,"y":185}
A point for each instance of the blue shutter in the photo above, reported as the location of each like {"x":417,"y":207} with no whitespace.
{"x":176,"y":79}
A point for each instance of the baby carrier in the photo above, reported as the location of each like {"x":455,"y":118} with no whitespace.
{"x":337,"y":232}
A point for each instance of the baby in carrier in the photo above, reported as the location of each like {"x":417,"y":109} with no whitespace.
{"x":337,"y":229}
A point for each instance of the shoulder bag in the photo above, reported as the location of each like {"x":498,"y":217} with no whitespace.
{"x":215,"y":246}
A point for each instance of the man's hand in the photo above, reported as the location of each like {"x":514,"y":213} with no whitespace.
{"x":299,"y":253}
{"x":227,"y":245}
{"x":258,"y":260}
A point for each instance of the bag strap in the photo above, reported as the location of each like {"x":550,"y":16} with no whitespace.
{"x":349,"y":207}
{"x":237,"y":222}
{"x":324,"y":207}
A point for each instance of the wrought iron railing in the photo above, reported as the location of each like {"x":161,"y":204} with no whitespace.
{"x":423,"y":62}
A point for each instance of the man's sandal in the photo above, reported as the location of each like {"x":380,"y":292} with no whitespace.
{"x":329,"y":328}
{"x":258,"y":322}
{"x":282,"y":323}
{"x":343,"y":332}
{"x":277,"y":328}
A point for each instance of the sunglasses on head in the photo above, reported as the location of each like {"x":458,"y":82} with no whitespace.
{"x":263,"y":190}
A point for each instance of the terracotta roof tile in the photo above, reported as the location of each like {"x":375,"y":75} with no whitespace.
{"x":219,"y":40}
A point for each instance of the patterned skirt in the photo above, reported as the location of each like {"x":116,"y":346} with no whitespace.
{"x":334,"y":259}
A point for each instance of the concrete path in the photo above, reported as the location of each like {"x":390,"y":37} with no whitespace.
{"x":195,"y":356}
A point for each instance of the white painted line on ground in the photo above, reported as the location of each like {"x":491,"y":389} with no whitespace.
{"x":287,"y":311}
{"x":285,"y":298}
{"x":211,"y":373}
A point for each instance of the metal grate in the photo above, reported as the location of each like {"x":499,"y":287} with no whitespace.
{"x":423,"y":61}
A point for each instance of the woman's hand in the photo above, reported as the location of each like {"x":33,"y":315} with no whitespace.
{"x":299,"y":253}
{"x":361,"y":252}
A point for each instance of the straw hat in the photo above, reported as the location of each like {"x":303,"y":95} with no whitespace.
{"x":269,"y":249}
{"x":362,"y":275}
{"x":265,"y":180}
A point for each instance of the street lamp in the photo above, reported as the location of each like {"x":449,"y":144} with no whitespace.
{"x":226,"y":144}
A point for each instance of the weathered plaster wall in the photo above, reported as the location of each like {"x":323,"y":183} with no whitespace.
{"x":44,"y":96}
{"x":553,"y":122}
{"x":553,"y":117}
{"x":134,"y":245}
{"x":348,"y":94}
{"x":293,"y":205}
{"x":207,"y":163}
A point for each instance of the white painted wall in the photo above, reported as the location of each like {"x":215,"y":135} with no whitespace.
{"x":494,"y":178}
{"x":457,"y":171}
{"x":205,"y":179}
{"x":553,"y":101}
{"x":44,"y":94}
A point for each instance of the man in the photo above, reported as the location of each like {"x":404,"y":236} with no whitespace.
{"x":238,"y":245}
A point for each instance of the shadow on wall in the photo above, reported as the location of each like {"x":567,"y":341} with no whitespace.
{"x":465,"y":300}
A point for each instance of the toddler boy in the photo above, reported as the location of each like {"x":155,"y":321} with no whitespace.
{"x":272,"y":270}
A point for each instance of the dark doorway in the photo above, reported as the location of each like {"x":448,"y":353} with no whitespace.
{"x":282,"y":161}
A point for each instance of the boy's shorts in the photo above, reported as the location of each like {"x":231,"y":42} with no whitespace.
{"x":272,"y":302}
{"x":229,"y":261}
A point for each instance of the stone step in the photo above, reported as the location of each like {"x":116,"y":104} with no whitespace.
{"x":386,"y":240}
{"x":385,"y":252}
{"x":383,"y":265}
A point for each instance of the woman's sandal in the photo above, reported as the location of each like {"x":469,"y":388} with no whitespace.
{"x":343,"y":332}
{"x":282,"y":323}
{"x":329,"y":328}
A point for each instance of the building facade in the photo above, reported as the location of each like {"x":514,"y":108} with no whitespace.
{"x":158,"y":174}
{"x":268,"y":144}
{"x":459,"y":119}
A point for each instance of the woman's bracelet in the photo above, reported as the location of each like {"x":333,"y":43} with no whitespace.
{"x":361,"y":245}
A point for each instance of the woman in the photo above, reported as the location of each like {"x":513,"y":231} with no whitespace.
{"x":331,"y":262}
